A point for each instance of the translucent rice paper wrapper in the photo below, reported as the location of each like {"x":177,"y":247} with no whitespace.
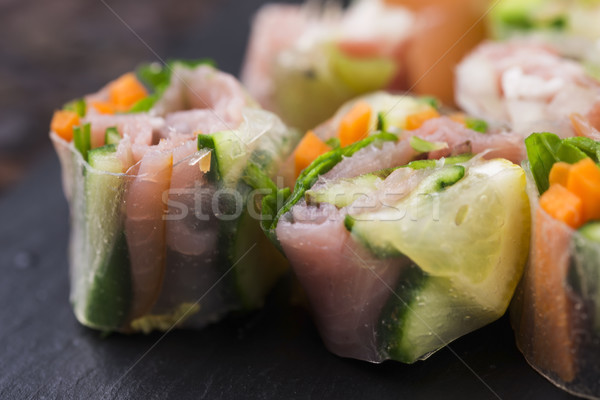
{"x":173,"y":242}
{"x":556,"y":310}
{"x":375,"y":306}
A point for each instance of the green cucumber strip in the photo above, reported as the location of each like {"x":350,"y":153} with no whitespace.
{"x":423,"y":164}
{"x":584,"y":269}
{"x":343,"y":192}
{"x":272,"y":210}
{"x":477,"y":125}
{"x":432,"y":101}
{"x":112,"y":135}
{"x":79,"y":106}
{"x":381,"y":125}
{"x":436,"y":182}
{"x":82,"y":139}
{"x":425,"y":146}
{"x":108,"y":297}
{"x":409,"y":324}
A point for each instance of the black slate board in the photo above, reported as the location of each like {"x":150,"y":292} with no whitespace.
{"x":274,"y":353}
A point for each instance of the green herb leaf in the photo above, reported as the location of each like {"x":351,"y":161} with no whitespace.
{"x":546,"y":149}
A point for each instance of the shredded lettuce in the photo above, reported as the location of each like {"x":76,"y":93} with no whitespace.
{"x":546,"y":149}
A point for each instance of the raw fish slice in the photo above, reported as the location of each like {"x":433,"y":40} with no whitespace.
{"x":145,"y":228}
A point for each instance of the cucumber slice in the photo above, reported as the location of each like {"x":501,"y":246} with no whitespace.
{"x":584,"y":271}
{"x":108,"y":296}
{"x":361,"y":75}
{"x":112,"y":136}
{"x":344,"y":191}
{"x":239,"y":155}
{"x":254,"y":275}
{"x":361,"y":229}
{"x":470,"y":242}
{"x":427,"y":314}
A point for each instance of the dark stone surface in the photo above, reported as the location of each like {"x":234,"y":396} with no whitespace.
{"x":274,"y":353}
{"x":61,"y":49}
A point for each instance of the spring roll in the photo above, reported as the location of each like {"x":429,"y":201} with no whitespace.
{"x":571,"y":27}
{"x":304,"y":62}
{"x":556,"y":312}
{"x":399,"y":257}
{"x":162,"y":233}
{"x":526,"y":86}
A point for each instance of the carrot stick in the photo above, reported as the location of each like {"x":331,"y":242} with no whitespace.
{"x":415,"y":121}
{"x":104,"y":107}
{"x":559,"y":173}
{"x":563,"y":205}
{"x":584,"y":182}
{"x":308,"y":150}
{"x":355,"y":124}
{"x":126,"y":91}
{"x":63,"y":122}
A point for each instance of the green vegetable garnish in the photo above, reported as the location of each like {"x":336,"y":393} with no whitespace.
{"x":424,"y":146}
{"x":112,"y":136}
{"x":77,"y":106}
{"x":333,"y":142}
{"x":158,"y":77}
{"x":546,"y":149}
{"x":278,"y":203}
{"x":477,"y":125}
{"x":82,"y":139}
{"x":432,"y":101}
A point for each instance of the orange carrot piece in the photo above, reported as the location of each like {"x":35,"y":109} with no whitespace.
{"x":63,"y":122}
{"x":308,"y":150}
{"x":559,"y":173}
{"x":461,"y":118}
{"x":355,"y":124}
{"x":104,"y":107}
{"x":584,"y":182}
{"x":563,"y":205}
{"x":126,"y":91}
{"x":415,"y":121}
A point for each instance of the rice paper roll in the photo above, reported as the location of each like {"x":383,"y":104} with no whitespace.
{"x":568,"y":26}
{"x":386,"y":235}
{"x":528,"y":87}
{"x":555,"y":313}
{"x":304,"y":62}
{"x":161,"y":233}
